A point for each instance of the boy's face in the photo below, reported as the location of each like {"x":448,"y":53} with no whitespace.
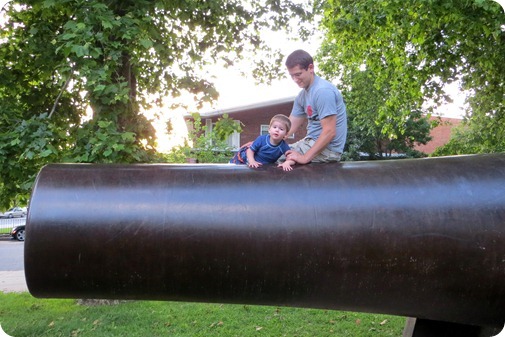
{"x":277,"y":131}
{"x":302,"y":77}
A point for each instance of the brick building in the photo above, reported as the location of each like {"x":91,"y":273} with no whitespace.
{"x":256,"y":117}
{"x":440,"y":135}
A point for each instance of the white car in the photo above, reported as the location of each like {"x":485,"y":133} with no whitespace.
{"x":15,"y":212}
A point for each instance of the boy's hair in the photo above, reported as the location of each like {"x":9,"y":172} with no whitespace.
{"x":282,"y":119}
{"x":299,"y":58}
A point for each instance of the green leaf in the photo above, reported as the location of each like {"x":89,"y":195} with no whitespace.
{"x":68,"y":36}
{"x":29,"y":155}
{"x":106,"y":24}
{"x":146,"y":43}
{"x":46,"y":153}
{"x":104,"y":124}
{"x":80,"y":51}
{"x":49,"y":3}
{"x":118,"y":147}
{"x":99,"y":87}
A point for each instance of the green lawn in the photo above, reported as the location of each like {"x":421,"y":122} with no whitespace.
{"x":22,"y":315}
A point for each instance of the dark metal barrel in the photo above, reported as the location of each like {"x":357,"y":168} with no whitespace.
{"x":420,"y":238}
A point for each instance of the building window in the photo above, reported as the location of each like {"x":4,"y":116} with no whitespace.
{"x":263,"y":129}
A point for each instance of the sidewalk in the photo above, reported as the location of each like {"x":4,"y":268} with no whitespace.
{"x":13,"y":281}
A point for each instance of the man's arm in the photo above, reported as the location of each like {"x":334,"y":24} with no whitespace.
{"x":329,"y":130}
{"x":296,"y":122}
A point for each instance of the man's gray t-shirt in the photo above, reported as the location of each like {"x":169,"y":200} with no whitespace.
{"x":320,"y":100}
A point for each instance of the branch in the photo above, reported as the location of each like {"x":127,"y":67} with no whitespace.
{"x":5,"y":4}
{"x":59,"y":95}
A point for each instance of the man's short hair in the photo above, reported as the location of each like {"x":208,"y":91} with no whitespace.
{"x":282,"y":119}
{"x":299,"y":58}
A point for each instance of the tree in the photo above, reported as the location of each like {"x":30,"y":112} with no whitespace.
{"x":60,"y":58}
{"x":373,"y":132}
{"x":414,"y":48}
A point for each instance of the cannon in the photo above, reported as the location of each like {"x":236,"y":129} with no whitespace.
{"x":420,"y":238}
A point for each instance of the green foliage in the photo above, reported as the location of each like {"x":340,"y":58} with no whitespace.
{"x":413,"y":48}
{"x":468,"y":138}
{"x":59,"y":60}
{"x":23,"y":315}
{"x":24,"y":149}
{"x":226,"y":126}
{"x":208,"y":146}
{"x":376,"y":131}
{"x":100,"y":142}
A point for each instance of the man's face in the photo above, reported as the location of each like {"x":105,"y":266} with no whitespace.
{"x":301,"y":76}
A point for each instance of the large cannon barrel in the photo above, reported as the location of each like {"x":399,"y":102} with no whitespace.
{"x":416,"y":237}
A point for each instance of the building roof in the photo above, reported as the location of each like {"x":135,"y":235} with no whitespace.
{"x":229,"y":111}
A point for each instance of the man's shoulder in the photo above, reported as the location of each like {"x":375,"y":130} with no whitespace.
{"x":326,"y":90}
{"x":323,"y":84}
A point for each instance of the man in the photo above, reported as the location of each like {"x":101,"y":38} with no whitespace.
{"x":322,"y":104}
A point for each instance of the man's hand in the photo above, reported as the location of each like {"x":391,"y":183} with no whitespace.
{"x":296,"y":157}
{"x":328,"y":132}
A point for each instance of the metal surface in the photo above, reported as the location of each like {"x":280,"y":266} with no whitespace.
{"x":419,"y":238}
{"x":427,"y":328}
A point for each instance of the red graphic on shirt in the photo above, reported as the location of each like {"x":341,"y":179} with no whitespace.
{"x":309,"y":111}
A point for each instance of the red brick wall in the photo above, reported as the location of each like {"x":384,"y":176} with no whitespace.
{"x":440,"y":135}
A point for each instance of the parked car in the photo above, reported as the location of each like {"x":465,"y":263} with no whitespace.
{"x":15,"y":212}
{"x":18,"y":233}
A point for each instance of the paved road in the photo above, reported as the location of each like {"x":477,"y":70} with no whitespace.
{"x":12,"y":275}
{"x":11,"y":254}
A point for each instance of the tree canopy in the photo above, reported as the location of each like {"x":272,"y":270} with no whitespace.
{"x":76,"y":74}
{"x":410,"y":50}
{"x":377,"y":134}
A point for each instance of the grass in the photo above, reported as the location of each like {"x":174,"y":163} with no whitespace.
{"x":22,"y":315}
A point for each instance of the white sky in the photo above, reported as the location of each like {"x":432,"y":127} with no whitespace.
{"x":236,"y":90}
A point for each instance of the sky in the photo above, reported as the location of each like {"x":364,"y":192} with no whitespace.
{"x":236,"y":90}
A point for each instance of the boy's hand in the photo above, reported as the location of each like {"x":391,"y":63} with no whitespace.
{"x":254,"y":164}
{"x":286,"y":166}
